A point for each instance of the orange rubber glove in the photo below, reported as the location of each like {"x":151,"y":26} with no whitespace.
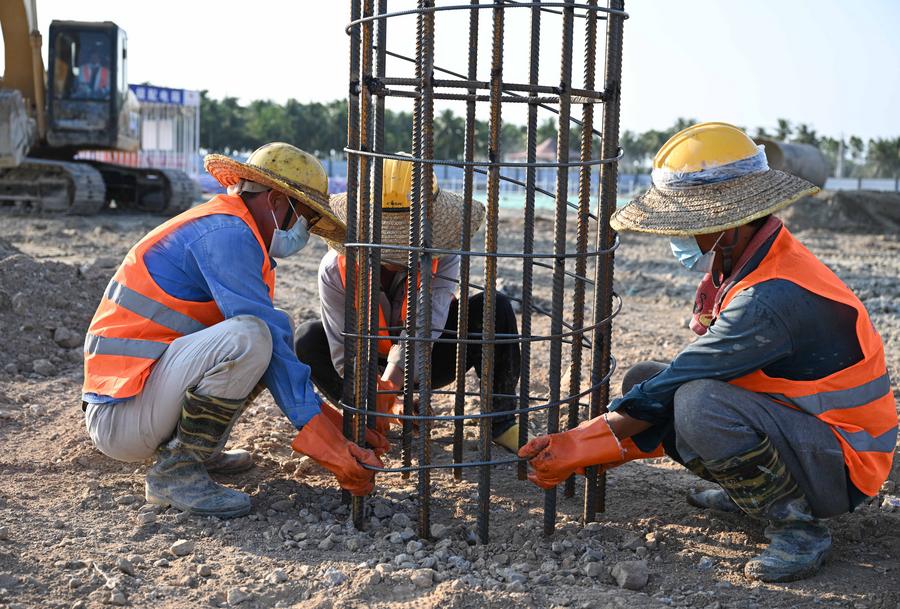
{"x":378,"y":442}
{"x":387,"y":403}
{"x":632,"y":453}
{"x":555,"y":457}
{"x":327,"y":446}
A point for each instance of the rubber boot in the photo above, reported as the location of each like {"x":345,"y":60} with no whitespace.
{"x":229,"y":462}
{"x":760,"y":485}
{"x":179,"y":478}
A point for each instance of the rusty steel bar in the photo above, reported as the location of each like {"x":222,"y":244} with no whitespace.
{"x":595,"y":491}
{"x":584,"y":207}
{"x":459,"y":403}
{"x":412,"y":287}
{"x":490,"y":275}
{"x":559,"y":245}
{"x":365,"y":271}
{"x":423,"y":358}
{"x":377,"y":179}
{"x":350,"y":310}
{"x":528,"y":239}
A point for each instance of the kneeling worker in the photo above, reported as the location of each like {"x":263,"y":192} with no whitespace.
{"x":784,"y":401}
{"x":187,"y":328}
{"x":321,"y":345}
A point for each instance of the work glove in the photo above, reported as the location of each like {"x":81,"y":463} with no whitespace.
{"x":557,"y":456}
{"x":387,"y":403}
{"x":378,"y":443}
{"x":632,"y":453}
{"x":326,"y":445}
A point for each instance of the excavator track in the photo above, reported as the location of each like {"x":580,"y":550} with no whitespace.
{"x":53,"y":186}
{"x":160,"y":191}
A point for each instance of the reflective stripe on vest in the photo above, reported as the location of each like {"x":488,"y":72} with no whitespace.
{"x":384,"y":346}
{"x":136,"y":320}
{"x":856,"y":402}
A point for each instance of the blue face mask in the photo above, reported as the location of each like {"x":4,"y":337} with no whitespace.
{"x":288,"y":242}
{"x":688,"y":253}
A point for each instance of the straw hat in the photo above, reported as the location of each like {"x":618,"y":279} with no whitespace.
{"x":708,"y":178}
{"x":288,"y":170}
{"x":447,"y":213}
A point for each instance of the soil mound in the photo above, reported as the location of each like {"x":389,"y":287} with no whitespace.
{"x":849,"y":211}
{"x":45,"y":308}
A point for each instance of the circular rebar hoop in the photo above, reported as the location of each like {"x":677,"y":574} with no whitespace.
{"x":506,"y":391}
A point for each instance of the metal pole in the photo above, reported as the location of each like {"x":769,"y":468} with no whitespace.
{"x":423,"y":359}
{"x":584,"y":208}
{"x":350,"y":313}
{"x":595,"y":490}
{"x":465,"y":244}
{"x":559,"y":245}
{"x":528,"y":240}
{"x":366,"y":272}
{"x":490,"y":275}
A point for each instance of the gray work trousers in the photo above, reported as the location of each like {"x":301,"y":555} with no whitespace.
{"x":716,"y":420}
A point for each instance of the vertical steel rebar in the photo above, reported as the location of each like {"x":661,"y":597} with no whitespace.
{"x":584,"y":208}
{"x":459,"y":403}
{"x":528,"y":240}
{"x":423,"y":359}
{"x":559,"y":243}
{"x":377,"y":178}
{"x":490,"y":274}
{"x":350,"y":310}
{"x":595,"y":490}
{"x":365,"y":271}
{"x":412,"y":287}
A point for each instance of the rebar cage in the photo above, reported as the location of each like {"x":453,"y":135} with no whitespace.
{"x":582,"y":239}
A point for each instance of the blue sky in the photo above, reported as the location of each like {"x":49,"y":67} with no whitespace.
{"x":830,"y":63}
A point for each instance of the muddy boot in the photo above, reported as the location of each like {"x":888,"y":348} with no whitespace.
{"x":179,"y":477}
{"x":760,"y":485}
{"x":713,"y":499}
{"x":229,"y":462}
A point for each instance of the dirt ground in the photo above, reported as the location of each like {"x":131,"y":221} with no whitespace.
{"x":75,"y":531}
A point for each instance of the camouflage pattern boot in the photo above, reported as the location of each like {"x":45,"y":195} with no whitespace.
{"x":760,"y":485}
{"x":235,"y":461}
{"x":179,"y":477}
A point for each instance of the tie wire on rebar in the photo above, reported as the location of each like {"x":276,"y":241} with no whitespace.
{"x":369,"y":86}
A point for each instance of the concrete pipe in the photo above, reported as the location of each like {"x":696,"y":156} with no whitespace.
{"x":801,"y":160}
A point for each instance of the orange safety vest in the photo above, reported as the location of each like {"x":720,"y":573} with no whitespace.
{"x":136,"y":320}
{"x":857,"y":401}
{"x":87,"y":77}
{"x":384,"y":346}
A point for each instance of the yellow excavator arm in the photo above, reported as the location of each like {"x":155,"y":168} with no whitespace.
{"x":24,"y":71}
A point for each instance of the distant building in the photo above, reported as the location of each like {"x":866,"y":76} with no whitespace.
{"x":170,"y":132}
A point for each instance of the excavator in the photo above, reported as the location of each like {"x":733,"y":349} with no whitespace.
{"x":81,"y":102}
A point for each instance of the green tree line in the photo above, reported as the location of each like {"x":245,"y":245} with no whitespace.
{"x":227,"y":126}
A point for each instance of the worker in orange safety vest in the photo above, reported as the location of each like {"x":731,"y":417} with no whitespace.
{"x":784,"y":401}
{"x":187,"y":329}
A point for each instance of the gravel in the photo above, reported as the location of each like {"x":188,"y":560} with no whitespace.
{"x":632,"y":574}
{"x":182,"y":547}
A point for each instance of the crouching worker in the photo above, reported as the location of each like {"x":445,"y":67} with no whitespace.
{"x":320,"y":344}
{"x":187,"y":328}
{"x":784,"y":401}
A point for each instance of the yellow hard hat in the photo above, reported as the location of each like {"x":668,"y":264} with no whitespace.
{"x":708,"y":178}
{"x":289,"y":170}
{"x":396,"y":184}
{"x":704,"y":145}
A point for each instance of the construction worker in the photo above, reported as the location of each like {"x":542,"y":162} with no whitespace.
{"x":784,"y":401}
{"x":93,"y":76}
{"x":187,"y":329}
{"x":320,"y":344}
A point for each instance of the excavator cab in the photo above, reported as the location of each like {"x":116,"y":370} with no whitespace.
{"x":89,"y":103}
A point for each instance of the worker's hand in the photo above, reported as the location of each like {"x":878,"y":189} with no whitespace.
{"x":373,"y":438}
{"x":555,"y":457}
{"x":325,"y":444}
